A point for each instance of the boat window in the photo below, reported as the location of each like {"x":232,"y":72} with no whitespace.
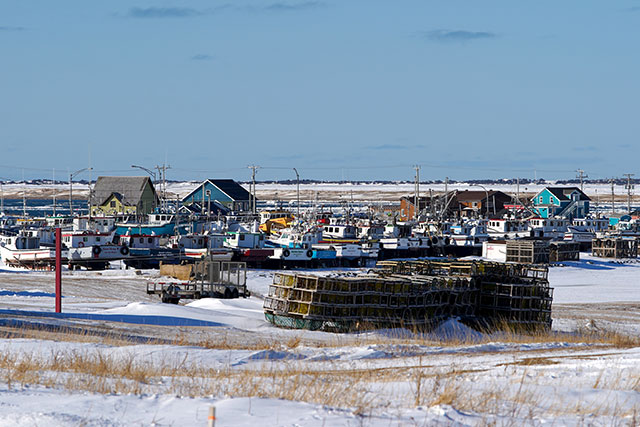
{"x":98,"y":239}
{"x":142,"y":240}
{"x":242,"y":237}
{"x":150,"y":240}
{"x":84,"y":239}
{"x":199,"y":241}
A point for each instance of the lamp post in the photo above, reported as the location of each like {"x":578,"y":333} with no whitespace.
{"x":297,"y":193}
{"x":486,"y":210}
{"x":71,"y":175}
{"x":149,"y":171}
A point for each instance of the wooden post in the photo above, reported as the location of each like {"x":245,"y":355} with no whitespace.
{"x":212,"y":416}
{"x":58,"y":270}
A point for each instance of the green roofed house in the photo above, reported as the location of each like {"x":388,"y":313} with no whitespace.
{"x":224,"y":191}
{"x":112,"y":195}
{"x":564,"y":202}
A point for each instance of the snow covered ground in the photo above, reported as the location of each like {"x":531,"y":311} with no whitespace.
{"x":116,"y":356}
{"x":326,"y":191}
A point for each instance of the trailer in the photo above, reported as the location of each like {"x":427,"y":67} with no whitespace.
{"x":207,"y":279}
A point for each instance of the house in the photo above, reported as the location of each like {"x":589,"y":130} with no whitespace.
{"x":458,"y":203}
{"x":112,"y":195}
{"x":226,"y":192}
{"x":565,"y":202}
{"x":408,"y":207}
{"x":480,"y":203}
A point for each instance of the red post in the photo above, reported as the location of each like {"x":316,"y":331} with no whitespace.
{"x":58,"y":270}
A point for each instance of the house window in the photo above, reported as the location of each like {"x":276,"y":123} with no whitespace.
{"x":112,"y":204}
{"x":540,"y":200}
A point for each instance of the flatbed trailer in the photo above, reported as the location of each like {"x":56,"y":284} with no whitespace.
{"x":207,"y":279}
{"x":173,"y":292}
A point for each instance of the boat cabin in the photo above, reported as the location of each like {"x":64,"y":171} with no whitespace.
{"x":102,"y":224}
{"x":147,"y":241}
{"x":244,"y":240}
{"x":275,"y":214}
{"x":59,"y":221}
{"x":591,"y":224}
{"x":160,"y":218}
{"x":547,"y":227}
{"x":20,"y":242}
{"x":503,"y":225}
{"x":80,"y":239}
{"x":370,"y":231}
{"x":339,"y":231}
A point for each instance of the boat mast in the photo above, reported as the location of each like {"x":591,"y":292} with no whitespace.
{"x":24,"y":197}
{"x":54,"y":191}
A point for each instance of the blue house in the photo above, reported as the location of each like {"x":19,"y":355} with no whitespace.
{"x":564,"y":202}
{"x":226,"y":192}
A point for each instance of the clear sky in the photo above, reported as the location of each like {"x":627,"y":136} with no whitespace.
{"x":353,"y":89}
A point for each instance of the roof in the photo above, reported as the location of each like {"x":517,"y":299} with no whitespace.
{"x":231,"y":189}
{"x":129,"y":188}
{"x":564,"y":193}
{"x":478,"y":195}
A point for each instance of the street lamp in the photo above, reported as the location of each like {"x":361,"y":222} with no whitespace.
{"x":71,"y":175}
{"x":486,"y":195}
{"x":149,"y":171}
{"x":297,"y":192}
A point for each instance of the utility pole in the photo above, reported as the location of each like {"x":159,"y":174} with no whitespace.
{"x":446,"y":194}
{"x":416,"y":203}
{"x":613,"y":196}
{"x":581,"y":176}
{"x":71,"y":175}
{"x":162,"y":177}
{"x":253,"y":168}
{"x":297,"y":194}
{"x":629,"y":187}
{"x":54,"y":192}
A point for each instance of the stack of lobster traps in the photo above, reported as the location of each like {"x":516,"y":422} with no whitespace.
{"x":415,"y":295}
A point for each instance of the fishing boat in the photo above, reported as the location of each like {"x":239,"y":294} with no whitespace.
{"x":158,"y":224}
{"x":21,"y":250}
{"x":248,"y":246}
{"x":92,"y":250}
{"x":147,"y":251}
{"x":199,"y":246}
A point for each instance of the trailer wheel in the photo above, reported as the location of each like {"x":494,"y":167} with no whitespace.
{"x":227,"y":293}
{"x":168,"y":299}
{"x":235,"y":293}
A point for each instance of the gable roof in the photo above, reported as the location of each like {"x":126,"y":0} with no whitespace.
{"x":564,"y":193}
{"x":478,"y":195}
{"x":129,"y":188}
{"x":227,"y":186}
{"x":231,"y":189}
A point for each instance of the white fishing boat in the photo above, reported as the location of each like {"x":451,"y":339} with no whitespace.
{"x":22,"y":250}
{"x":200,"y":246}
{"x":93,"y":250}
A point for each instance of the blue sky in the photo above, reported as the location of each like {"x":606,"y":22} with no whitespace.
{"x":354,"y":89}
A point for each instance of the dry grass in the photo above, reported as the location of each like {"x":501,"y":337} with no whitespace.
{"x":363,"y":390}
